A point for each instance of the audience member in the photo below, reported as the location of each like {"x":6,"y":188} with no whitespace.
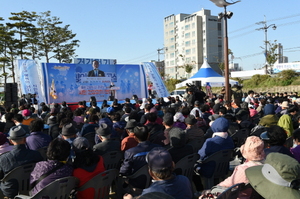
{"x":107,"y":144}
{"x":37,"y":139}
{"x":4,"y":145}
{"x":275,"y":138}
{"x":129,"y":141}
{"x":54,"y":168}
{"x":277,"y":178}
{"x":161,"y":169}
{"x":18,"y":119}
{"x":134,"y":158}
{"x":194,"y":135}
{"x":18,"y":156}
{"x":86,"y":165}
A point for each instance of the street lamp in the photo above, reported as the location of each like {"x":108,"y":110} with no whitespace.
{"x":266,"y":27}
{"x":225,"y":15}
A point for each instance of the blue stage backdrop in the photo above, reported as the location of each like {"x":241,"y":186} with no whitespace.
{"x":70,"y":82}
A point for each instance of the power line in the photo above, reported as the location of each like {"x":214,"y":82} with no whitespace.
{"x":277,"y":19}
{"x":140,"y":57}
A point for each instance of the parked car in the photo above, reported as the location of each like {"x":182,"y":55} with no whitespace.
{"x":179,"y":93}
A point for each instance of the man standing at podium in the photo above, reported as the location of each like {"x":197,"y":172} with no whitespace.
{"x":96,"y":72}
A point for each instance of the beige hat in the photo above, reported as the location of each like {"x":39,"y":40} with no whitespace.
{"x":285,"y":104}
{"x":253,"y":149}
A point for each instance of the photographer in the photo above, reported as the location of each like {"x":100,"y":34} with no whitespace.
{"x":190,"y":98}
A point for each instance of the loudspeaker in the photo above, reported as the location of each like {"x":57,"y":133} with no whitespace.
{"x":11,"y":94}
{"x":197,"y":84}
{"x":111,"y":98}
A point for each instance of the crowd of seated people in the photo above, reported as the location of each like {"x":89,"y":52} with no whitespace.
{"x":77,"y":139}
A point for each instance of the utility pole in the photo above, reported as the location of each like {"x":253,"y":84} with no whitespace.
{"x":265,"y":28}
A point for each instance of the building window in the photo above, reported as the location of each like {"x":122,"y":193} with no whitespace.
{"x":193,"y":34}
{"x":188,"y":51}
{"x":172,"y":55}
{"x":193,"y":50}
{"x":187,"y":27}
{"x":172,"y":63}
{"x":172,"y":39}
{"x":193,"y":25}
{"x":193,"y":42}
{"x":187,"y":44}
{"x":187,"y":35}
{"x":171,"y":32}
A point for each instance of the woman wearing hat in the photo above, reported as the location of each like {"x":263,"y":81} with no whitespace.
{"x":253,"y":152}
{"x":279,"y":177}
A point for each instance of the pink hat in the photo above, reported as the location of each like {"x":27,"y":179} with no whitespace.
{"x":26,"y":112}
{"x":253,"y":149}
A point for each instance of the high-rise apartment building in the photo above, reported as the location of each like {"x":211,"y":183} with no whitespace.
{"x":189,"y":39}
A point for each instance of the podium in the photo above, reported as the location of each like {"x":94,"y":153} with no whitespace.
{"x":113,"y":93}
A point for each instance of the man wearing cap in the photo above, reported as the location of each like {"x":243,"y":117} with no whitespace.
{"x":20,"y":155}
{"x":129,"y":141}
{"x":161,"y":169}
{"x":134,"y":158}
{"x":69,"y":132}
{"x":107,"y":144}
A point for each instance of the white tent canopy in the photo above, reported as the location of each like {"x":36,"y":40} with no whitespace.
{"x":207,"y":76}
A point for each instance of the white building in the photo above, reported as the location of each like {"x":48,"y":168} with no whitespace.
{"x":189,"y":39}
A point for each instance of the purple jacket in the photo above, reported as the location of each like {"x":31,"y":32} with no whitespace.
{"x":37,"y":140}
{"x":296,"y":152}
{"x":45,"y":166}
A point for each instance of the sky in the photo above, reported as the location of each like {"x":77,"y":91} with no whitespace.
{"x":131,"y":31}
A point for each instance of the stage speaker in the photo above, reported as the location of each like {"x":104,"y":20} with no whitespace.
{"x":111,"y":98}
{"x":93,"y":99}
{"x":11,"y":94}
